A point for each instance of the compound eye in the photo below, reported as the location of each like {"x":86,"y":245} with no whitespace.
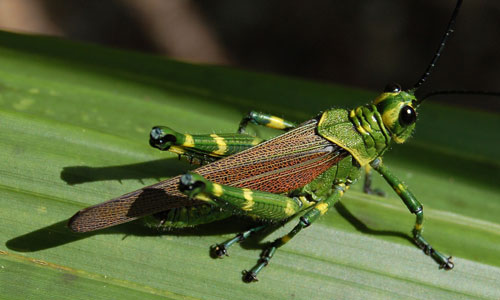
{"x":407,"y":116}
{"x":392,"y":88}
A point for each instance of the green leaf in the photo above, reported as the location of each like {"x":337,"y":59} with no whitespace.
{"x":74,"y":124}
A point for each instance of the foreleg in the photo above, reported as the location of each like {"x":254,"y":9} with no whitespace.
{"x":416,"y":208}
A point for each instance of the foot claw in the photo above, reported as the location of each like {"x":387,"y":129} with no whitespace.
{"x":448,"y":265}
{"x":219,"y":251}
{"x":249,"y":276}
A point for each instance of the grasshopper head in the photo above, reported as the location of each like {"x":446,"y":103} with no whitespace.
{"x":398,"y":111}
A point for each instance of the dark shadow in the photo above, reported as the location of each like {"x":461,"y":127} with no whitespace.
{"x":148,"y":201}
{"x":227,"y":226}
{"x":154,"y":169}
{"x":48,"y":237}
{"x":58,"y":234}
{"x":361,"y":227}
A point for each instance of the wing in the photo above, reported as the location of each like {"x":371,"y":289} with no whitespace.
{"x":281,"y":164}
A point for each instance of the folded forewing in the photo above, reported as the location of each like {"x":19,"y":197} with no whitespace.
{"x":281,"y":164}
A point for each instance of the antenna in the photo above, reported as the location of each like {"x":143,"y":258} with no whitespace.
{"x":458,"y":92}
{"x":444,"y":39}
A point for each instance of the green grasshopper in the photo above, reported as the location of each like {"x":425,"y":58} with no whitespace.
{"x":302,"y":172}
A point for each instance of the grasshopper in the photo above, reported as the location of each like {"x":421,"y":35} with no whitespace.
{"x":302,"y":172}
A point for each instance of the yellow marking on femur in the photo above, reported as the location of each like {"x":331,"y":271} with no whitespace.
{"x":383,"y":96}
{"x":217,"y":190}
{"x":188,"y":141}
{"x":221,"y":144}
{"x":322,"y":207}
{"x":176,"y":149}
{"x":352,"y":114}
{"x":289,"y":210}
{"x":285,"y":239}
{"x":418,"y":226}
{"x":276,"y":123}
{"x":247,"y":194}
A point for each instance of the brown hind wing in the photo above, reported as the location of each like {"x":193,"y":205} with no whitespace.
{"x":281,"y":164}
{"x":146,"y":201}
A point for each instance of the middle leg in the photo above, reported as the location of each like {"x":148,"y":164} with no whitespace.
{"x":367,"y":186}
{"x":306,"y":220}
{"x":265,"y":120}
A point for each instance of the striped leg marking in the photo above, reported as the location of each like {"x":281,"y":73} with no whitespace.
{"x":202,"y":147}
{"x":265,"y":120}
{"x":264,"y":205}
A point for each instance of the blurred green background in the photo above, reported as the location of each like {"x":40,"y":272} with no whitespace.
{"x":364,"y":44}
